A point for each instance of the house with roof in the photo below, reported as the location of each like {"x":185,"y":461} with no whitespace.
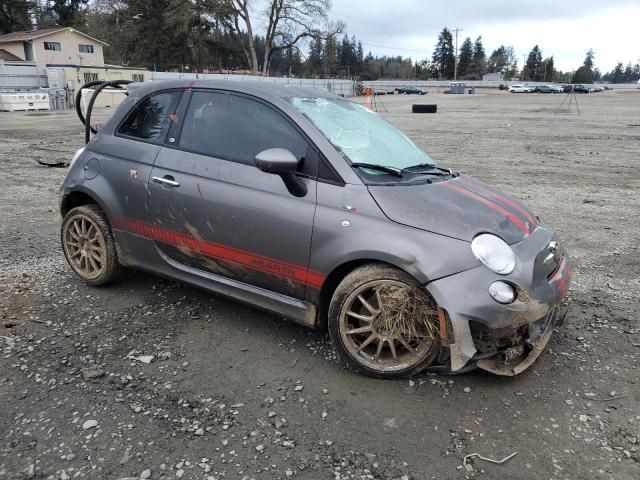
{"x":61,"y":58}
{"x":53,"y":47}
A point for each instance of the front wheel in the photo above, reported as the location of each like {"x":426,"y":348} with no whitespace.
{"x":383,"y":323}
{"x":89,"y":246}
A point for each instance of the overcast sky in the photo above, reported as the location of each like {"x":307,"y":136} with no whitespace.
{"x":565,"y":29}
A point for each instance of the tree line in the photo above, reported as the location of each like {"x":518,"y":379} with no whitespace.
{"x":297,"y":38}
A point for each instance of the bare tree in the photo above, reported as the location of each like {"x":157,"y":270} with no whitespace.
{"x":287,"y":22}
{"x":238,"y":17}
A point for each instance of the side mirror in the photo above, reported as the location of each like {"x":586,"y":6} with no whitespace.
{"x":276,"y":160}
{"x":281,"y":161}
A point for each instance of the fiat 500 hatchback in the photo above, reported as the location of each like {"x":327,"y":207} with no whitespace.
{"x":305,"y":204}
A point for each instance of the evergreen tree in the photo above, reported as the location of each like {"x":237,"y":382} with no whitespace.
{"x":584,"y":74}
{"x":465,"y":58}
{"x":547,"y":69}
{"x":359,"y":54}
{"x":444,"y":59}
{"x":330,"y":59}
{"x":14,"y":16}
{"x":68,"y":13}
{"x":479,"y":65}
{"x":628,"y":73}
{"x":347,"y":61}
{"x":314,"y":60}
{"x":534,"y":62}
{"x":497,"y":60}
{"x":588,"y":61}
{"x":617,"y":76}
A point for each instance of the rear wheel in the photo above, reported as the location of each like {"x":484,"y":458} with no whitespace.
{"x":89,"y":246}
{"x":383,"y":323}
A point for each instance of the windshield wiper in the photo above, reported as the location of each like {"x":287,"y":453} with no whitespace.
{"x":429,"y":168}
{"x":382,"y":168}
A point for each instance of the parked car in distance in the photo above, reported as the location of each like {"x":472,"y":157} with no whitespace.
{"x":544,"y":89}
{"x":520,"y":89}
{"x":313,"y":207}
{"x":582,"y":89}
{"x":410,"y":91}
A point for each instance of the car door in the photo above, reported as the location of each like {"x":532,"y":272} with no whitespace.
{"x":212,"y":210}
{"x":126,"y":158}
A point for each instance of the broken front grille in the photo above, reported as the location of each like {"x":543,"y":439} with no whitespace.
{"x":490,"y":340}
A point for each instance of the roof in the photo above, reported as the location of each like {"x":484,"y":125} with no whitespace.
{"x":255,"y":87}
{"x":31,"y":34}
{"x":9,"y":57}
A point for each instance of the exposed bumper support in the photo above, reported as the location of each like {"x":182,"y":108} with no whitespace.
{"x":463,"y":350}
{"x":537,"y":341}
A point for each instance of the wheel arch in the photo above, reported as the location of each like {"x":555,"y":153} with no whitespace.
{"x":81,"y":196}
{"x":75,"y":199}
{"x":336,"y":276}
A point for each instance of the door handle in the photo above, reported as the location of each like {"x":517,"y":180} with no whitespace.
{"x":166,"y":180}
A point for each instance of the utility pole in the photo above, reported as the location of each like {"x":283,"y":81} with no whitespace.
{"x":455,"y":63}
{"x":524,"y":63}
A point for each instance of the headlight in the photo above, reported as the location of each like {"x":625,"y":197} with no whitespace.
{"x":494,"y":253}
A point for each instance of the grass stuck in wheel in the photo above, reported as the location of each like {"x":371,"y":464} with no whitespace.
{"x":408,"y":313}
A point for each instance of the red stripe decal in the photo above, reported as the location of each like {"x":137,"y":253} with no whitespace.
{"x":505,"y":200}
{"x":217,"y":251}
{"x":514,"y":219}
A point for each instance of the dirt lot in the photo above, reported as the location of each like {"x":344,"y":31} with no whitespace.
{"x":234,"y":393}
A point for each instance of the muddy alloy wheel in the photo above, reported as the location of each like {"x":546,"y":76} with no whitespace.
{"x":88,"y":244}
{"x":386,"y":325}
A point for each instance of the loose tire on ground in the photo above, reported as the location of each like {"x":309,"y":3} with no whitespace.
{"x":381,"y":288}
{"x":89,"y":246}
{"x":424,"y":108}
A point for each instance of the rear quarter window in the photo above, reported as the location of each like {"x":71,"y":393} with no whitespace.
{"x":150,"y":119}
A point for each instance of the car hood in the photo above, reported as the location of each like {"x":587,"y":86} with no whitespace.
{"x":460,"y":208}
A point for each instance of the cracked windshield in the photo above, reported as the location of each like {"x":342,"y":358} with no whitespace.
{"x":361,"y":135}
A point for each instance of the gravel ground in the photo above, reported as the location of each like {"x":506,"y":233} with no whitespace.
{"x":154,"y":379}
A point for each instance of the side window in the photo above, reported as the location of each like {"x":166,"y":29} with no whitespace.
{"x":90,"y":77}
{"x":55,"y":46}
{"x":236,"y":128}
{"x":150,"y":118}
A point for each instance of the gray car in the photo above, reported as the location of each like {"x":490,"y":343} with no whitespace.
{"x":310,"y":206}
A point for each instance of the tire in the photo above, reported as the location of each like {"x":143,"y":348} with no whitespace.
{"x":424,"y":108}
{"x":383,"y":289}
{"x":86,"y":229}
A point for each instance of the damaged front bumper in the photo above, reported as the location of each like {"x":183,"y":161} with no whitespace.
{"x":502,"y":339}
{"x":513,"y":360}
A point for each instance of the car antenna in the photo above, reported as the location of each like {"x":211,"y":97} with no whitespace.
{"x":571,"y":95}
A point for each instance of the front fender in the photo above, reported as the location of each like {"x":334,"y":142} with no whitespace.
{"x":350,"y":226}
